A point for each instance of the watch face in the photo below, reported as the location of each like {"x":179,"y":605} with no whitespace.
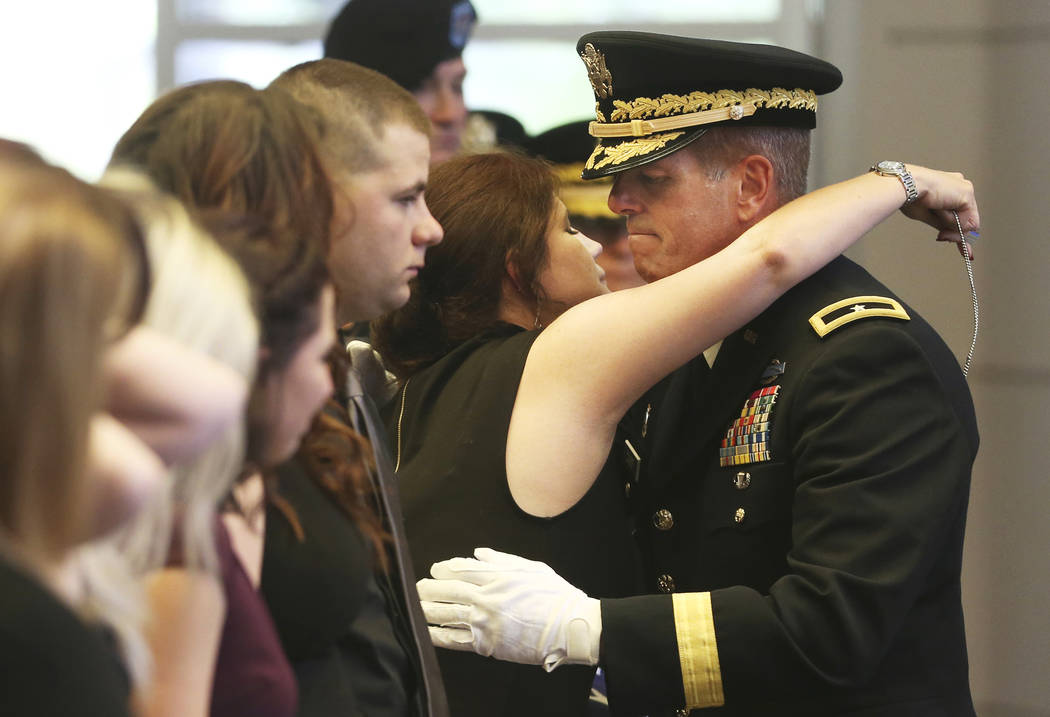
{"x":890,"y":167}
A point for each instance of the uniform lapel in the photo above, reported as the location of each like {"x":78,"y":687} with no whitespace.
{"x":671,"y":411}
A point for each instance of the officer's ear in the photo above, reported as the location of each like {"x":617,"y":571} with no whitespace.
{"x":756,"y":193}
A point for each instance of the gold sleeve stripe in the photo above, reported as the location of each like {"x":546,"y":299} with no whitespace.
{"x":697,"y":650}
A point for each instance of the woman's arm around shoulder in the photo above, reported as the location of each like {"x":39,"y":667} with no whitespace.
{"x":597,"y":358}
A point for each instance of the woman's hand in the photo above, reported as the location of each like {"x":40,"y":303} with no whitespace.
{"x":940,"y":194}
{"x":124,"y":474}
{"x":174,"y":398}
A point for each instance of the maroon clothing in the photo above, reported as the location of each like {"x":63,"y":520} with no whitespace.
{"x":252,"y":675}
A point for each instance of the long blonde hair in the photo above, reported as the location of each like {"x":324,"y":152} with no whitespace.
{"x":201,"y":299}
{"x":64,"y":270}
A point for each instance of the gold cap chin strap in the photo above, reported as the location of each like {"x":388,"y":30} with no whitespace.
{"x":670,"y":112}
{"x":641,"y":128}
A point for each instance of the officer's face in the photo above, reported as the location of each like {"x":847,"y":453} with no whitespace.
{"x":441,"y":97}
{"x":382,"y":227}
{"x":676,"y":214}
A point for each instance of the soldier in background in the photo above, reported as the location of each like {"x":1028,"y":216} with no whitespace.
{"x":418,"y":44}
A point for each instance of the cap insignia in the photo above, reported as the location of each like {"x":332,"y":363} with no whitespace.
{"x":597,"y":72}
{"x":620,"y":153}
{"x":668,"y":104}
{"x":460,"y":23}
{"x":599,"y":115}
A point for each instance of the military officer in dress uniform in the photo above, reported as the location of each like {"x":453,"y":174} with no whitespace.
{"x":803,"y":486}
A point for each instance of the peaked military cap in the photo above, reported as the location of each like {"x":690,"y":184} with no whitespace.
{"x":567,"y":148}
{"x":403,"y":39}
{"x":657,"y":93}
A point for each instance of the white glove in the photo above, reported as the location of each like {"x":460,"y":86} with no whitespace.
{"x":503,"y":606}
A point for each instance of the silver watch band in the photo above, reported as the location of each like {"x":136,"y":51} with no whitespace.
{"x":900,"y":171}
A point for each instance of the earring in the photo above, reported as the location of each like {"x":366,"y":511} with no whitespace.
{"x":536,"y":322}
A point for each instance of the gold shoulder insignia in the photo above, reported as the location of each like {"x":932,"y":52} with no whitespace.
{"x":847,"y":311}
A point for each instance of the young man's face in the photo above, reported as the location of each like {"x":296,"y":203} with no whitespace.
{"x":676,"y":215}
{"x":441,"y":97}
{"x":383,"y":228}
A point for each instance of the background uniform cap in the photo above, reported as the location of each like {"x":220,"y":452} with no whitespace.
{"x":567,"y":147}
{"x":488,"y":129}
{"x":657,"y":93}
{"x":403,"y":39}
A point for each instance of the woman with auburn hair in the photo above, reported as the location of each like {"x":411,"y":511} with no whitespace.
{"x":69,"y":288}
{"x":246,"y":161}
{"x":515,"y":372}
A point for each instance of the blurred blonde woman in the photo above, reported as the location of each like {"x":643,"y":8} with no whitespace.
{"x":69,"y":287}
{"x":200,"y":310}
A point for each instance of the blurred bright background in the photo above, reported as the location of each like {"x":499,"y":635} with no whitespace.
{"x":76,"y":74}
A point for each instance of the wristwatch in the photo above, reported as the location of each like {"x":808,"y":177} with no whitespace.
{"x":888,"y":168}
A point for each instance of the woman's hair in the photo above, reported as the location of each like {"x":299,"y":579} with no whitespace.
{"x":225,"y":146}
{"x":495,"y":210}
{"x":69,"y":282}
{"x":248,"y":162}
{"x":201,"y":299}
{"x":339,"y":460}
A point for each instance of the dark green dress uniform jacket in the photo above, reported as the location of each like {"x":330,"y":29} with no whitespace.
{"x":832,"y":551}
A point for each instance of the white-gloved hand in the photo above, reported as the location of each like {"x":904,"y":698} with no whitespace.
{"x":504,"y":606}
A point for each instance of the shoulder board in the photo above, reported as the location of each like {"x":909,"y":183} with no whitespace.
{"x":837,"y":315}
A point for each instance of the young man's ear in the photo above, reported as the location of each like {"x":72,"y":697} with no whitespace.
{"x":757,"y":192}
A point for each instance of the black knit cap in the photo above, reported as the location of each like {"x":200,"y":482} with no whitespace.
{"x":657,"y":93}
{"x":403,"y":39}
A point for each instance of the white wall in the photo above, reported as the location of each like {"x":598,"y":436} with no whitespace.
{"x":966,"y":85}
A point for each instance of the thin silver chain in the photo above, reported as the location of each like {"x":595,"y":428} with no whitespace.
{"x":973,"y":292}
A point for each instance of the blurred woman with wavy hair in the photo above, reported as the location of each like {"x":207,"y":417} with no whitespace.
{"x":247,"y":162}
